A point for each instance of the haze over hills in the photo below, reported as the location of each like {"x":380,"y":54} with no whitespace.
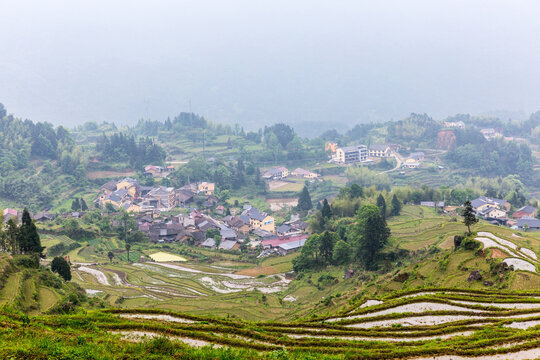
{"x":269,"y":180}
{"x":263,"y":63}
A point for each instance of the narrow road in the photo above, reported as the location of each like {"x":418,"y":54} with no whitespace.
{"x":399,"y":161}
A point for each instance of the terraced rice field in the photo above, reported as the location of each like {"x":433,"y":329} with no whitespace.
{"x":151,"y":282}
{"x":433,"y":323}
{"x":521,"y":258}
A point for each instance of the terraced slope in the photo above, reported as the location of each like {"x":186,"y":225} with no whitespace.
{"x":434,"y":323}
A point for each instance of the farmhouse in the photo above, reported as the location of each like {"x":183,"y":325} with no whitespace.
{"x":229,"y":245}
{"x":259,"y":220}
{"x":528,"y":223}
{"x":44,"y":216}
{"x":299,"y":172}
{"x":156,"y":171}
{"x":493,"y":213}
{"x":526,"y":211}
{"x":483,"y":201}
{"x":206,"y":188}
{"x":410,"y":163}
{"x":276,"y":242}
{"x":439,"y":204}
{"x":276,"y":173}
{"x":130,"y":185}
{"x":290,"y":247}
{"x":379,"y":150}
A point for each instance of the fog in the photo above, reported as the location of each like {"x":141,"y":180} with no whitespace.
{"x":261,"y":62}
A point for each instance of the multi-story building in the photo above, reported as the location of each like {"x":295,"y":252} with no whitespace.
{"x":351,"y":154}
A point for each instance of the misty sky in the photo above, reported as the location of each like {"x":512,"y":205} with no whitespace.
{"x":257,"y":62}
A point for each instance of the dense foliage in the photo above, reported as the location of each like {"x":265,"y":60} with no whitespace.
{"x":494,"y":158}
{"x":123,"y":148}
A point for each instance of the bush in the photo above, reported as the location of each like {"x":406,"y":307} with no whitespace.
{"x":61,"y":266}
{"x":470,"y":244}
{"x":47,"y":278}
{"x":27,"y":261}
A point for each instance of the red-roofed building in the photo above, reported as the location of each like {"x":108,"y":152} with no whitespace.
{"x":276,"y":242}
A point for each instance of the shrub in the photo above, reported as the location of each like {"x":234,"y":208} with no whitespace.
{"x":27,"y":261}
{"x":470,"y":244}
{"x":47,"y":278}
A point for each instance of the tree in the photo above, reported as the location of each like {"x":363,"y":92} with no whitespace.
{"x":212,"y":232}
{"x":326,"y":210}
{"x":326,"y":247}
{"x":469,"y":217}
{"x":28,"y":237}
{"x":12,"y":234}
{"x":283,"y":132}
{"x":370,"y":234}
{"x":128,"y":247}
{"x":110,"y":255}
{"x":381,"y":204}
{"x":356,"y":191}
{"x":75,"y":205}
{"x":342,"y":252}
{"x":60,"y":265}
{"x":217,"y":240}
{"x":84,"y":207}
{"x":396,"y":206}
{"x":304,"y":200}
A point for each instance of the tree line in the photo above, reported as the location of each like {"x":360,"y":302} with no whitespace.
{"x":125,"y":148}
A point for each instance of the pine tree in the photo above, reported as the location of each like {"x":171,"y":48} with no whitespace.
{"x":84,"y":207}
{"x":29,"y":241}
{"x":75,"y":205}
{"x":12,"y":236}
{"x":469,"y":217}
{"x":381,"y":204}
{"x":396,"y":206}
{"x":326,"y":210}
{"x":61,"y":266}
{"x":304,"y":200}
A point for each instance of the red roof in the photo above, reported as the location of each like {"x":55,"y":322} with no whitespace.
{"x":283,"y":240}
{"x":10,"y":211}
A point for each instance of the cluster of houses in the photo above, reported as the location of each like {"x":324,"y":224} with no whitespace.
{"x":234,"y":230}
{"x":496,"y":211}
{"x":282,"y":172}
{"x":358,"y":153}
{"x":130,"y":195}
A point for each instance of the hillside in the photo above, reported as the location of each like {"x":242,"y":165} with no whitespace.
{"x":30,"y":289}
{"x":437,"y":322}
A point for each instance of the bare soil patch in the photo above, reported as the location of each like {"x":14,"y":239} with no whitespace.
{"x":262,"y":270}
{"x":106,"y":174}
{"x":496,"y":253}
{"x":280,"y":203}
